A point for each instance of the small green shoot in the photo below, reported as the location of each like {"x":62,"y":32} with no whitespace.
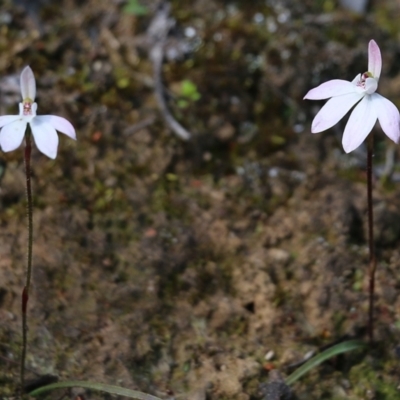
{"x":325,"y":355}
{"x":117,"y":390}
{"x":189,"y":93}
{"x":135,"y":8}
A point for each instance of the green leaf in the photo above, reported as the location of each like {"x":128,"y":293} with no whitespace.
{"x":135,"y":8}
{"x":134,"y":394}
{"x":189,"y":90}
{"x":183,"y":103}
{"x":325,"y":355}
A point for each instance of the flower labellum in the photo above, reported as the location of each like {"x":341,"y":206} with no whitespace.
{"x":43,"y":127}
{"x":343,"y":95}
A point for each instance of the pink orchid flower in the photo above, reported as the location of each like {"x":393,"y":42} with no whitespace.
{"x":371,"y":106}
{"x":43,"y":127}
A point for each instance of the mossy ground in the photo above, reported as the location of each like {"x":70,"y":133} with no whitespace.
{"x":177,"y":266}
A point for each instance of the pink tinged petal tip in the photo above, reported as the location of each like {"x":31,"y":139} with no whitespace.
{"x":388,"y":116}
{"x":28,"y":84}
{"x":359,"y":125}
{"x":58,"y":123}
{"x":333,"y":111}
{"x":335,"y":87}
{"x":12,"y":134}
{"x":46,"y":138}
{"x":374,"y":59}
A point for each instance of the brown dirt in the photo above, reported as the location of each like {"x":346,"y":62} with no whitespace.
{"x":197,"y":267}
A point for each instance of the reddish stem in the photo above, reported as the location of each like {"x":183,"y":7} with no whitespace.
{"x":372,"y":257}
{"x":25,"y":292}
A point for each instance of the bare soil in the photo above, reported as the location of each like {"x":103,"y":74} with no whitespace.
{"x":198,"y":269}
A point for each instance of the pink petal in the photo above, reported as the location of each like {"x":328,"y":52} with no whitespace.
{"x":46,"y":137}
{"x":359,"y":125}
{"x":335,"y":87}
{"x":388,"y":116}
{"x":12,"y":134}
{"x":374,"y":59}
{"x":333,"y":111}
{"x":58,"y":123}
{"x":28,"y":84}
{"x":7,"y":119}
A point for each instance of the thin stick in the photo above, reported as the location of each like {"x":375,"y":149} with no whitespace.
{"x":157,"y":33}
{"x":372,"y":257}
{"x":25,"y":292}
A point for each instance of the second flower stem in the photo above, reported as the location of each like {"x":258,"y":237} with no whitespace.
{"x":25,"y":292}
{"x":371,"y":244}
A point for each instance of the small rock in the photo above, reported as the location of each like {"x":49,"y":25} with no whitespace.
{"x":357,"y":6}
{"x":276,"y":388}
{"x":270,"y":355}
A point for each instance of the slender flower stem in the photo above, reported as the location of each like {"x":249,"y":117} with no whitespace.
{"x":372,"y":257}
{"x":25,"y":292}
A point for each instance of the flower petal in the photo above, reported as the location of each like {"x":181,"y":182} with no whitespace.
{"x":374,"y":59}
{"x":388,"y":116}
{"x":12,"y":134}
{"x":7,"y":119}
{"x":333,"y":111}
{"x":28,"y":84}
{"x":58,"y":123}
{"x":360,"y":124}
{"x":371,"y":84}
{"x":46,"y":137}
{"x":335,"y":87}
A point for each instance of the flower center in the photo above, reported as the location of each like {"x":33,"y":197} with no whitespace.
{"x":366,"y":83}
{"x":364,"y":76}
{"x":27,"y":107}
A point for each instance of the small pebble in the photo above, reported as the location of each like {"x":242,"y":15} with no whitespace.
{"x":309,"y":354}
{"x":269,"y":355}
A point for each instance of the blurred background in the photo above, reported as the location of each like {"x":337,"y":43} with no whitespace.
{"x":195,"y":267}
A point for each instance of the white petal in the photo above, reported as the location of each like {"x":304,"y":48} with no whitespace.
{"x":374,"y":59}
{"x":335,"y":87}
{"x":28,"y":84}
{"x":359,"y":125}
{"x":333,"y":111}
{"x":59,"y":123}
{"x":12,"y":134}
{"x":46,"y":138}
{"x":388,"y":116}
{"x":371,"y":84}
{"x":7,"y":119}
{"x":34,"y":109}
{"x":356,"y":80}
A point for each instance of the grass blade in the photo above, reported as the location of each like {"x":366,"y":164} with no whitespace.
{"x":325,"y":355}
{"x":134,"y":394}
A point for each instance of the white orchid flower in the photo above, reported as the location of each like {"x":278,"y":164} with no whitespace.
{"x":371,"y":106}
{"x":43,"y":127}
